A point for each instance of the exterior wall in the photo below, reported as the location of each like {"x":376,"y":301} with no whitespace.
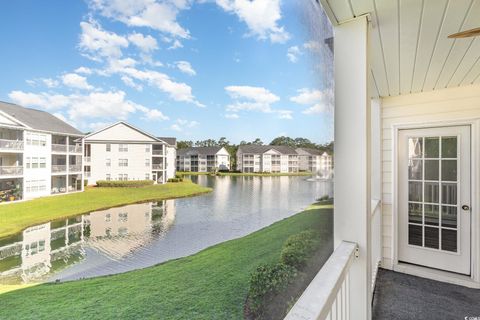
{"x":170,"y":162}
{"x":121,"y":132}
{"x":37,"y":180}
{"x":204,"y":163}
{"x":137,"y":157}
{"x":448,"y":105}
{"x":267,"y":162}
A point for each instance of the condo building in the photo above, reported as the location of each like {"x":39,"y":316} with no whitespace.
{"x":203,"y":159}
{"x":316,"y":161}
{"x":124,"y":152}
{"x":40,"y":154}
{"x":259,"y":158}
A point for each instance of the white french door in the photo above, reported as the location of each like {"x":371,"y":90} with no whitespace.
{"x":434,"y":185}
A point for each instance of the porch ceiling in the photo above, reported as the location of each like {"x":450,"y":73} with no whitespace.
{"x":409,"y":48}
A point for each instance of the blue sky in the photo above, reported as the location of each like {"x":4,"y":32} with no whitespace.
{"x":191,"y":69}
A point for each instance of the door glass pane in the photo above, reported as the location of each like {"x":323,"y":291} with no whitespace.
{"x":449,"y":170}
{"x":415,"y":213}
{"x":415,"y":191}
{"x":431,"y":192}
{"x":432,"y":147}
{"x":431,"y":170}
{"x":415,"y":171}
{"x":449,"y":147}
{"x":449,"y":240}
{"x":449,"y":193}
{"x":431,"y":237}
{"x":415,"y":147}
{"x":415,"y":235}
{"x":431,"y":215}
{"x":449,"y":217}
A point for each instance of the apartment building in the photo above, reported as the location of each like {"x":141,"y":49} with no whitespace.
{"x":259,"y":158}
{"x":203,"y":159}
{"x":316,"y":161}
{"x":40,"y":154}
{"x":123,"y":152}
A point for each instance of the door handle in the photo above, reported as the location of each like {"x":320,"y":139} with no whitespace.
{"x":465,"y":207}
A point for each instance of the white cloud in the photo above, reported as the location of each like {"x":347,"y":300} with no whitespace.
{"x":129,"y":82}
{"x":97,"y":43}
{"x":73,"y":80}
{"x":161,"y":16}
{"x":312,"y":45}
{"x":181,"y":124}
{"x":48,"y":82}
{"x":261,"y":17}
{"x":176,"y":44}
{"x":293,"y":53}
{"x":144,"y":43}
{"x":44,"y":100}
{"x":232,"y":116}
{"x":285,"y":114}
{"x":317,"y":100}
{"x":185,"y":67}
{"x":83,"y":70}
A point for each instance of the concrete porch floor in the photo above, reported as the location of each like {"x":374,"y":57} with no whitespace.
{"x":400,"y":296}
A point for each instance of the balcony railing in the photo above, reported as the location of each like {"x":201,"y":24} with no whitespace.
{"x":157,"y":152}
{"x":11,"y":144}
{"x":87,"y":159}
{"x":11,"y":171}
{"x":88,"y":174}
{"x":75,"y":149}
{"x":59,"y":147}
{"x":56,"y":168}
{"x":74,"y":168}
{"x":157,"y":166}
{"x":328,"y":295}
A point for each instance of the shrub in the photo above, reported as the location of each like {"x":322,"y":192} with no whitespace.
{"x":299,"y":248}
{"x":123,"y":184}
{"x":175,"y":180}
{"x":266,"y":281}
{"x":323,"y":198}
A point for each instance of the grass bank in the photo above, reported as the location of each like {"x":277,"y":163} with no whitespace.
{"x":211,"y":284}
{"x":14,"y":217}
{"x":252,"y":174}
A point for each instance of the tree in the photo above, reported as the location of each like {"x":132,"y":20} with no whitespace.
{"x":283,"y":141}
{"x":223,"y":142}
{"x":184,"y":144}
{"x":257,"y":142}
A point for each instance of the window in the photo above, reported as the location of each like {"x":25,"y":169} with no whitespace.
{"x":108,"y":217}
{"x":123,"y":148}
{"x":108,"y":147}
{"x":147,"y":176}
{"x":34,"y":163}
{"x":43,"y":140}
{"x":108,"y":162}
{"x":121,"y":176}
{"x":123,"y":162}
{"x":147,"y":148}
{"x":147,"y":162}
{"x":43,"y":162}
{"x":125,"y":177}
{"x":108,"y":177}
{"x":123,"y":217}
{"x":28,"y":162}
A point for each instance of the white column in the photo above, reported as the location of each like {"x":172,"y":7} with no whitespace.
{"x":83,"y":166}
{"x":352,"y":156}
{"x":67,"y":161}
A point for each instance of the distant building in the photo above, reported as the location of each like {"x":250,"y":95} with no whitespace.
{"x":40,"y":154}
{"x":316,"y":161}
{"x":123,"y":152}
{"x":259,"y":158}
{"x":203,"y":159}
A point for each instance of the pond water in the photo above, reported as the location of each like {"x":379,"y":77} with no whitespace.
{"x":141,"y":235}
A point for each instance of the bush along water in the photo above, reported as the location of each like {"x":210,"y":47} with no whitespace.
{"x":275,"y":287}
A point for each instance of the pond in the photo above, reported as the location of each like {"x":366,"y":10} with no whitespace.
{"x":141,"y":235}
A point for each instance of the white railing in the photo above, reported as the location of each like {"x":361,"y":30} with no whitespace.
{"x":88,"y":159}
{"x":74,"y":168}
{"x":59,"y":147}
{"x":75,"y":149}
{"x":376,"y":237}
{"x":157,"y":166}
{"x":11,"y":144}
{"x":11,"y":171}
{"x":59,"y":168}
{"x":328,"y":295}
{"x":157,"y":152}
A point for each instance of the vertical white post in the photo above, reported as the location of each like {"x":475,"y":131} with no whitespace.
{"x":67,"y":161}
{"x":352,"y":156}
{"x":83,"y":165}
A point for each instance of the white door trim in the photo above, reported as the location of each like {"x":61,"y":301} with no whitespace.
{"x":475,"y":183}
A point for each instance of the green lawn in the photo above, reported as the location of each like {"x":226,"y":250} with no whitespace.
{"x":211,"y":284}
{"x":14,"y":217}
{"x":253,"y":174}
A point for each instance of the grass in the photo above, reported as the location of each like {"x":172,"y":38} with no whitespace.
{"x":248,"y":174}
{"x":14,"y":217}
{"x":211,"y":284}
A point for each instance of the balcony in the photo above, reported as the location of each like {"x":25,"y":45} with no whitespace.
{"x":157,"y":152}
{"x":157,"y":166}
{"x":87,"y":159}
{"x":11,"y":171}
{"x":75,"y":149}
{"x":61,"y":148}
{"x":75,"y":168}
{"x":11,"y":145}
{"x":59,"y":168}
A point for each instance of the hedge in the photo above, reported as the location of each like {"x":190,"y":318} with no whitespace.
{"x":299,"y":248}
{"x":123,"y":184}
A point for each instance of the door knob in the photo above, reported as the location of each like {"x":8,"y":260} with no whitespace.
{"x":465,"y":207}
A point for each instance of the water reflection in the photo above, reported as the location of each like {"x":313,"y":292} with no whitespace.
{"x":140,"y":235}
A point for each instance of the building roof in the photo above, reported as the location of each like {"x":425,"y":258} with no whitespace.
{"x":37,"y":119}
{"x":199,"y":151}
{"x":313,"y":152}
{"x":253,"y":148}
{"x":170,"y":140}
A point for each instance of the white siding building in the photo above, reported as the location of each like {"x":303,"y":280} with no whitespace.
{"x":39,"y":154}
{"x":203,"y":159}
{"x":123,"y":152}
{"x":275,"y":159}
{"x":315,"y":161}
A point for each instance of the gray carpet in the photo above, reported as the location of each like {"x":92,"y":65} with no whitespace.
{"x":403,"y":297}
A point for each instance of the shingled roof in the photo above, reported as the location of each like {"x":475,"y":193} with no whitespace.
{"x":313,"y":152}
{"x":198,"y":151}
{"x":170,"y":140}
{"x":253,"y":148}
{"x":37,"y":119}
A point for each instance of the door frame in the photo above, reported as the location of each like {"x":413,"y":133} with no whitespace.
{"x":474,"y":279}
